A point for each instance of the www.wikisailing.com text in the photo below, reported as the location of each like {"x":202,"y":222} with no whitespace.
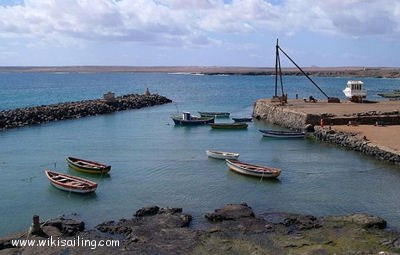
{"x":57,"y":242}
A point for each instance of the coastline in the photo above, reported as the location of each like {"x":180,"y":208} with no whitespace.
{"x":377,"y":72}
{"x":232,"y":229}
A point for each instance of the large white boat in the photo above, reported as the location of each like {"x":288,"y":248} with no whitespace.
{"x":355,"y":90}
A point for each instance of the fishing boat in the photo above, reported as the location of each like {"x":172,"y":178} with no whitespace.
{"x":186,"y":119}
{"x":243,"y":119}
{"x":283,"y":134}
{"x":70,"y":183}
{"x":215,"y":114}
{"x":252,"y":170}
{"x":355,"y":91}
{"x":87,"y":166}
{"x":222,"y":154}
{"x":234,"y":125}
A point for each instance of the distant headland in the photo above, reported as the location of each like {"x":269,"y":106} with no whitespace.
{"x":378,"y":72}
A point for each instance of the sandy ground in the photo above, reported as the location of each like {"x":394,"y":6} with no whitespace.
{"x":387,"y":137}
{"x":342,"y":108}
{"x":383,"y":136}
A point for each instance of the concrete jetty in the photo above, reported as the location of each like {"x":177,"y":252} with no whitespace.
{"x":352,"y":125}
{"x":73,"y":110}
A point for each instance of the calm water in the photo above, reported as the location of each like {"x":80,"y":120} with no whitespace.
{"x":154,"y":162}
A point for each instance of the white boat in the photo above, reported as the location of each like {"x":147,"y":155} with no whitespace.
{"x":70,"y":183}
{"x":222,"y":154}
{"x":355,"y":90}
{"x":253,"y":170}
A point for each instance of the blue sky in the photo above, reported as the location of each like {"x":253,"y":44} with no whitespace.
{"x":199,"y":32}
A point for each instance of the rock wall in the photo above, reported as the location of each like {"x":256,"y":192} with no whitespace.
{"x":357,"y":143}
{"x":73,"y":110}
{"x":276,"y":114}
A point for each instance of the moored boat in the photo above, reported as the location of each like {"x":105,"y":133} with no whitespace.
{"x":215,"y":114}
{"x":186,"y":119}
{"x":243,"y":119}
{"x":283,"y":134}
{"x":234,"y":125}
{"x":222,"y":154}
{"x":253,"y":170}
{"x":355,"y":91}
{"x":87,"y":166}
{"x":70,"y":183}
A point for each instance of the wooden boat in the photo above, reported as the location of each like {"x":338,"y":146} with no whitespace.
{"x":235,"y":125}
{"x":283,"y":134}
{"x":187,"y":120}
{"x":252,"y":170}
{"x":70,"y":183}
{"x":215,"y":114}
{"x":222,"y":154}
{"x":243,"y":119}
{"x":87,"y":166}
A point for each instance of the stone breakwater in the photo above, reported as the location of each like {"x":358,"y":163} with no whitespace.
{"x":73,"y":110}
{"x":357,"y":143}
{"x":232,"y":229}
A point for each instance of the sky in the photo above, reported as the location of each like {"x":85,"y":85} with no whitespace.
{"x":324,"y":33}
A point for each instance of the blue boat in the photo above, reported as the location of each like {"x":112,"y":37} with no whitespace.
{"x":185,"y":119}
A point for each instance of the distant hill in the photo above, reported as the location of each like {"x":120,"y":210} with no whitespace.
{"x":380,"y":72}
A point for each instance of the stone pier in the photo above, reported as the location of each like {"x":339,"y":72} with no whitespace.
{"x":336,"y":117}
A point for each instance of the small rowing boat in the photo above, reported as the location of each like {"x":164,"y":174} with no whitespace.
{"x":70,"y":183}
{"x":283,"y":134}
{"x":222,"y":154}
{"x":87,"y":166}
{"x":234,"y":125}
{"x":215,"y":114}
{"x":252,"y":170}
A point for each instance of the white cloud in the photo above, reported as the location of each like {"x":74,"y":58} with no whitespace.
{"x":193,"y":22}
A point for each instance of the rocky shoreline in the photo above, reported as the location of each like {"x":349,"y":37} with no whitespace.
{"x":232,"y":229}
{"x":73,"y":110}
{"x":357,"y":143}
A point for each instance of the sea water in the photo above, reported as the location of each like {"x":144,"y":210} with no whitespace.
{"x":157,"y":163}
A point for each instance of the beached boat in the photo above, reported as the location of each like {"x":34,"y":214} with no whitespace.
{"x":186,"y":119}
{"x":283,"y":134}
{"x":253,"y":170}
{"x":355,"y":91}
{"x":234,"y":125}
{"x":243,"y":119}
{"x":222,"y":154}
{"x":70,"y":183}
{"x":215,"y":114}
{"x":87,"y":166}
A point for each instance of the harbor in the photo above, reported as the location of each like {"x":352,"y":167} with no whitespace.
{"x":367,"y":127}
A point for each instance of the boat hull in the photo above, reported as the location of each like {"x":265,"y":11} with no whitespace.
{"x":236,"y":125}
{"x":70,"y":183}
{"x":215,"y":114}
{"x":96,"y":168}
{"x":242,"y":119}
{"x":222,"y":154}
{"x":282,"y":134}
{"x":252,"y":170}
{"x":193,"y":122}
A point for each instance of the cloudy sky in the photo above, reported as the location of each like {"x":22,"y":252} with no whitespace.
{"x":199,"y":32}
